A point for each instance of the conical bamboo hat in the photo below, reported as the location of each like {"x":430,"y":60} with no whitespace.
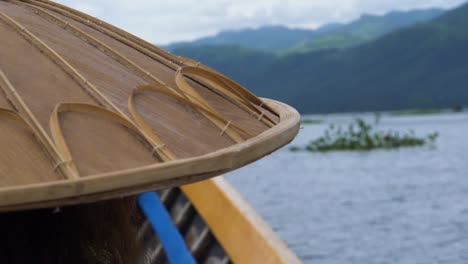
{"x":90,"y":112}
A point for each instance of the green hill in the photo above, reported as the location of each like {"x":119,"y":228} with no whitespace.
{"x":328,"y":41}
{"x":268,"y":38}
{"x":366,"y":28}
{"x":283,"y":40}
{"x":234,"y":60}
{"x":424,"y":66}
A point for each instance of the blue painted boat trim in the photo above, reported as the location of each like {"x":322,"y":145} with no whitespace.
{"x":171,"y":240}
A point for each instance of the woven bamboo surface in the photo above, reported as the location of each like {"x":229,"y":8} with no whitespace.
{"x":89,"y":112}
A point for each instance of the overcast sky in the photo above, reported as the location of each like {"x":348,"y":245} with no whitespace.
{"x":165,"y":21}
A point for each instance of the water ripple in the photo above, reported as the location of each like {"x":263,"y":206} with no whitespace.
{"x":402,"y":206}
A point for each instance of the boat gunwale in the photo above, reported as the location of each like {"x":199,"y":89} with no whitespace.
{"x":156,"y":176}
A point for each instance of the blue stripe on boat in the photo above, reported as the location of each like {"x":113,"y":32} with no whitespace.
{"x":171,"y":240}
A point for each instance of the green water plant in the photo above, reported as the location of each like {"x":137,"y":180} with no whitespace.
{"x":363,"y":136}
{"x":418,"y":112}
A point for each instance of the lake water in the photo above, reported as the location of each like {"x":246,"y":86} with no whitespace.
{"x":385,"y":206}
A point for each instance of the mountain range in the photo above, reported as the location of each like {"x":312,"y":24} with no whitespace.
{"x":281,"y":39}
{"x":423,"y":65}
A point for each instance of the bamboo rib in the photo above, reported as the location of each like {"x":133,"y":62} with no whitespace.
{"x":57,"y":133}
{"x":220,"y":85}
{"x":232,"y":85}
{"x":59,"y":60}
{"x":142,"y":123}
{"x":18,"y":117}
{"x":37,"y":129}
{"x":97,"y":44}
{"x":172,"y":62}
{"x":242,"y":91}
{"x":173,"y":172}
{"x":67,"y":67}
{"x":144,"y":47}
{"x":148,"y":133}
{"x":181,"y":82}
{"x":187,"y":89}
{"x":164,"y":153}
{"x":192,"y":94}
{"x":168,"y":174}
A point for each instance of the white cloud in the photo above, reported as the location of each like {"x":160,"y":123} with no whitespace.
{"x":162,"y":21}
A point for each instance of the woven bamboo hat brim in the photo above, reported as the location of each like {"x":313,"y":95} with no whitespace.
{"x":90,"y":112}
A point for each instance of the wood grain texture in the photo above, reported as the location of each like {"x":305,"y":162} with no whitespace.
{"x":243,"y":234}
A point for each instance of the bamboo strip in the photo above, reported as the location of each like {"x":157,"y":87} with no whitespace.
{"x":17,"y":116}
{"x":150,"y":50}
{"x":109,"y":184}
{"x":164,"y":153}
{"x":192,"y":94}
{"x":142,"y":123}
{"x":57,"y":133}
{"x":187,"y":89}
{"x":156,"y":176}
{"x":230,"y":92}
{"x":59,"y":60}
{"x":163,"y":57}
{"x":37,"y":129}
{"x":99,"y":96}
{"x":98,"y":44}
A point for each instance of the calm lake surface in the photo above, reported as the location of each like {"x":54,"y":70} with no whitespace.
{"x":385,"y":206}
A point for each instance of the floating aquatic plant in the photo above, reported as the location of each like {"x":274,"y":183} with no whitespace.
{"x":418,"y":112}
{"x":362,"y":136}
